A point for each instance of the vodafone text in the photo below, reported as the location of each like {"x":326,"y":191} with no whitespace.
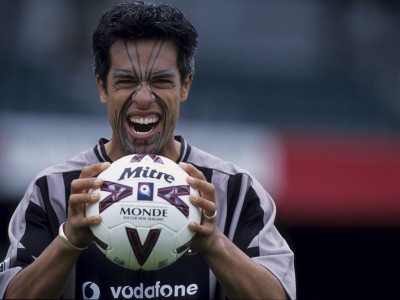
{"x":150,"y":292}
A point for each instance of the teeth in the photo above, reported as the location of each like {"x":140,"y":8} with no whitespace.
{"x":141,"y":120}
{"x":141,"y":133}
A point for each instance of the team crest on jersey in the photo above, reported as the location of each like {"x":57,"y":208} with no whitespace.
{"x":117,"y":193}
{"x":172,"y":194}
{"x":139,"y":157}
{"x":145,"y":191}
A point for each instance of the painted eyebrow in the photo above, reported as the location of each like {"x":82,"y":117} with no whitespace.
{"x":121,"y":73}
{"x":124,"y":73}
{"x":164,"y":73}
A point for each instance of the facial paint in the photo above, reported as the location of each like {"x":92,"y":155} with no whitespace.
{"x":129,"y":144}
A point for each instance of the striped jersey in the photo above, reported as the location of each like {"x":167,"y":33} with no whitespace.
{"x":246,"y":216}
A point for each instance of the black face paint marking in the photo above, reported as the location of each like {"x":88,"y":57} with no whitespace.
{"x":154,"y":146}
{"x":119,"y":121}
{"x":132,"y":146}
{"x":168,"y":124}
{"x":148,"y":75}
{"x":136,"y":75}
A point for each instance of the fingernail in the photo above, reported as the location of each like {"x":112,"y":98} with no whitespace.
{"x":193,"y":198}
{"x":105,"y":165}
{"x":96,"y":219}
{"x":94,"y":196}
{"x":190,"y":179}
{"x":98,"y":181}
{"x":183,"y":165}
{"x":192,"y":225}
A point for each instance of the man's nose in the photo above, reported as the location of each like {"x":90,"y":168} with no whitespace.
{"x":144,"y":96}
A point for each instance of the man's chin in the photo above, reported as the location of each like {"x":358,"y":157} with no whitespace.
{"x":140,"y":149}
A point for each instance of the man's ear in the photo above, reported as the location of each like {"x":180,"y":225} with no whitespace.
{"x":102,"y":90}
{"x":186,"y":87}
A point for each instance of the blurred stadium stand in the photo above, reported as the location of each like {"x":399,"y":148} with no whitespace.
{"x":308,"y":88}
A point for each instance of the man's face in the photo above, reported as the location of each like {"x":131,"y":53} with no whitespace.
{"x":143,"y":96}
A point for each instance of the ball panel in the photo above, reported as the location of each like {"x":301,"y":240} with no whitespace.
{"x":102,"y":234}
{"x":183,"y":239}
{"x":162,"y":255}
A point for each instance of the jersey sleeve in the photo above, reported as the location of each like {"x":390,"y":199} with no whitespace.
{"x":258,"y":237}
{"x":30,"y":231}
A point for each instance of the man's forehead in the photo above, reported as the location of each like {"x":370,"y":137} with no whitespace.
{"x":142,"y":58}
{"x":144,"y":49}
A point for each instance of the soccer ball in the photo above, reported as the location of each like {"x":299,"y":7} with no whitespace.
{"x":145,"y":209}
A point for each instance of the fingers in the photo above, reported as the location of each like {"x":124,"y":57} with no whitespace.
{"x":199,"y":229}
{"x":83,"y":223}
{"x":209,"y":208}
{"x":192,"y":170}
{"x":86,"y":180}
{"x":94,"y":170}
{"x":197,"y":181}
{"x":206,"y":197}
{"x":76,"y":199}
{"x":80,"y":196}
{"x":83,"y":193}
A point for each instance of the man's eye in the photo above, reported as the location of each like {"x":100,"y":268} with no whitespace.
{"x":125,"y":81}
{"x":162,"y":82}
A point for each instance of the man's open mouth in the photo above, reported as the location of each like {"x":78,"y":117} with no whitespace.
{"x":142,"y":125}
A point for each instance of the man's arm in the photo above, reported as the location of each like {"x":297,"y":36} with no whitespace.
{"x":238,"y":274}
{"x":47,"y":275}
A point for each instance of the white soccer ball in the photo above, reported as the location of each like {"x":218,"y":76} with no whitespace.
{"x":145,"y":209}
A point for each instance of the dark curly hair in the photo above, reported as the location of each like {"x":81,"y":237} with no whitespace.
{"x":136,"y":20}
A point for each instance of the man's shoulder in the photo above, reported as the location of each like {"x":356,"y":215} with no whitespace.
{"x":204,"y":159}
{"x":73,"y":164}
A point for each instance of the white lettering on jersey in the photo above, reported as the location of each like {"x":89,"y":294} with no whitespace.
{"x":91,"y":291}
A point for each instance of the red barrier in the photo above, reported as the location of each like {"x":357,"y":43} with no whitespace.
{"x":340,"y":179}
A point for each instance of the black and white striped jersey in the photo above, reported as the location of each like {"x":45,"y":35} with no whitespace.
{"x":246,"y":216}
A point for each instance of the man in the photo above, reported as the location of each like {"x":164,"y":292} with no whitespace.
{"x":144,"y":65}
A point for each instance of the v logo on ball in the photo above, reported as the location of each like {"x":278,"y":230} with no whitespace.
{"x":142,"y":251}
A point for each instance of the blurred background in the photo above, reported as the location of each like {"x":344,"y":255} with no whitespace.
{"x":303,"y":93}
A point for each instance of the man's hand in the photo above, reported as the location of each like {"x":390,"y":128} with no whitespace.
{"x":77,"y":226}
{"x":207,"y":232}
